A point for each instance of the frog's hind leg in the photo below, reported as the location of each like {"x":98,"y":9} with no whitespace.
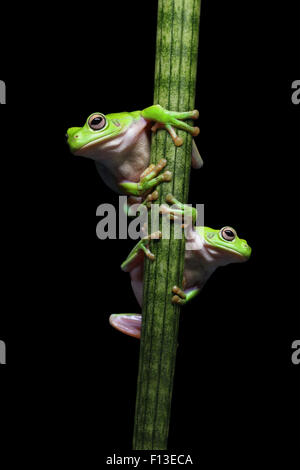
{"x":128,"y":323}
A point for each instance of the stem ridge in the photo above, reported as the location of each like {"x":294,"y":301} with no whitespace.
{"x":175,"y":84}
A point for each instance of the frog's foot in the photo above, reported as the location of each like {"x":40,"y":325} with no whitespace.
{"x":128,"y":323}
{"x":141,"y":245}
{"x":169,"y":120}
{"x":165,"y":210}
{"x":147,"y":171}
{"x":179,"y":297}
{"x":180,"y":210}
{"x":150,"y":198}
{"x":148,"y":180}
{"x":182,"y":297}
{"x":145,"y":241}
{"x":139,"y":204}
{"x":153,"y":171}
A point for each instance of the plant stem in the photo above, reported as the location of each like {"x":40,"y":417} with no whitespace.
{"x":175,"y":83}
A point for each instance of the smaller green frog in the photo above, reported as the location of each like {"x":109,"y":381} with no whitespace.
{"x":208,"y":249}
{"x":120,"y":145}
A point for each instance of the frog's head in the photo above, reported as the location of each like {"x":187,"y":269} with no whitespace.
{"x":98,"y":128}
{"x":225,"y":246}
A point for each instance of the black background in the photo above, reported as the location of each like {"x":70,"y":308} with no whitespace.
{"x":236,"y":392}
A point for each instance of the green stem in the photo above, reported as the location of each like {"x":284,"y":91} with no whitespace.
{"x":175,"y":83}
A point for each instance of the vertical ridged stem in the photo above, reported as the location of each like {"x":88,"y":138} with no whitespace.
{"x":175,"y":83}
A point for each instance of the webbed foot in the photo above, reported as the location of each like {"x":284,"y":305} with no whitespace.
{"x":182,"y":297}
{"x":169,"y":120}
{"x":179,"y":297}
{"x":148,"y":180}
{"x":141,"y":245}
{"x":178,"y":210}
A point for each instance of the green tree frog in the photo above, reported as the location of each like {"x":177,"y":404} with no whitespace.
{"x":120,"y":145}
{"x":208,"y":249}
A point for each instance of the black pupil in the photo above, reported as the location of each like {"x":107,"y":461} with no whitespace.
{"x":229,"y":233}
{"x":96,"y":121}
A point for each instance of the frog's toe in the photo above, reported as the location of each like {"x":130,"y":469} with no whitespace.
{"x":179,"y":292}
{"x":178,"y":141}
{"x":177,"y":300}
{"x":160,"y":165}
{"x":170,"y":198}
{"x":153,"y":196}
{"x":167,"y":176}
{"x":164,"y":209}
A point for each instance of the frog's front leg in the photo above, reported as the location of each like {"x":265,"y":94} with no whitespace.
{"x":141,"y":245}
{"x":178,"y":209}
{"x":182,"y":297}
{"x":165,"y":119}
{"x":148,"y":180}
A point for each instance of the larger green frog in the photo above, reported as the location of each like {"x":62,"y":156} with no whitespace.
{"x":120,"y":145}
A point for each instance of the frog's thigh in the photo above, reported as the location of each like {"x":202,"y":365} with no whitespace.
{"x":128,"y":323}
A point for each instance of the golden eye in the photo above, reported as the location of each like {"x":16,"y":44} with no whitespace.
{"x":97,"y":122}
{"x":228,"y":234}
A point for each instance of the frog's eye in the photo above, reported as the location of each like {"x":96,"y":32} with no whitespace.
{"x":97,"y":122}
{"x":228,"y":234}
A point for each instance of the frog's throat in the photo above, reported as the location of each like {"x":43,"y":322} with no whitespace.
{"x":96,"y":142}
{"x":223,"y":255}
